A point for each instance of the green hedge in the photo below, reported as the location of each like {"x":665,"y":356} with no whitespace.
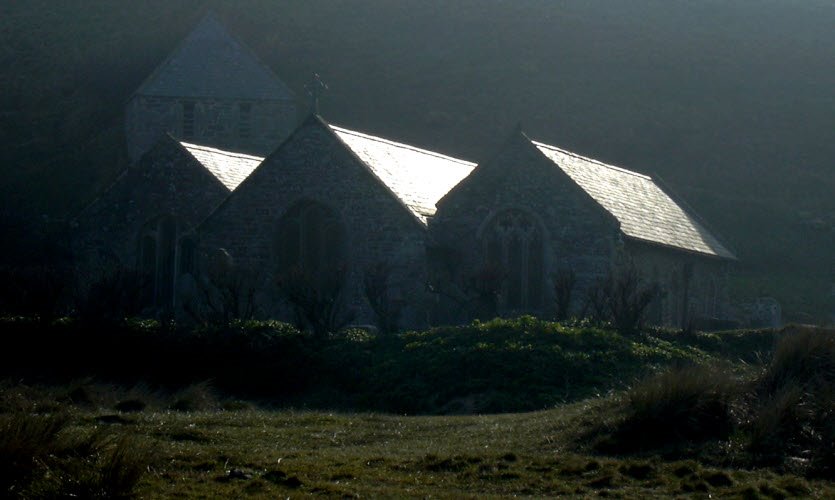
{"x":494,"y":366}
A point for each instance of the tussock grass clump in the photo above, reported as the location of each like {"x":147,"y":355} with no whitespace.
{"x":41,"y":457}
{"x":680,"y":405}
{"x":794,"y":401}
{"x":784,"y":417}
{"x":804,"y":357}
{"x":24,"y":441}
{"x":196,"y":397}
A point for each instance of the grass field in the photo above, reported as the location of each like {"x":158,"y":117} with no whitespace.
{"x":272,"y":454}
{"x":737,"y":415}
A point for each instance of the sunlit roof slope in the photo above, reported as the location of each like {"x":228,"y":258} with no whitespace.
{"x":212,"y":63}
{"x":644,"y":210}
{"x":418,"y":177}
{"x":229,"y":168}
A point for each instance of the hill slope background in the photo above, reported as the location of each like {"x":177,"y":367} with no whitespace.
{"x":731,"y":102}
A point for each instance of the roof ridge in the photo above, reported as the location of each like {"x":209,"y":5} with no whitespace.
{"x":401,"y":145}
{"x":191,"y":145}
{"x":592,"y":160}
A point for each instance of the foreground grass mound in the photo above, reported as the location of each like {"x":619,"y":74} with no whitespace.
{"x":278,"y":454}
{"x":782,"y":416}
{"x":501,"y":365}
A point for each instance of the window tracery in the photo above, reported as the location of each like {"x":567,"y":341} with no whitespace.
{"x":513,"y":240}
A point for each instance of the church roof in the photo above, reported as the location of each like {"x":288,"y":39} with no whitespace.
{"x":418,"y":177}
{"x":645,"y":211}
{"x":212,"y":63}
{"x":228,"y":167}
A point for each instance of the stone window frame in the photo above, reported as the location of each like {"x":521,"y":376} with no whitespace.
{"x":331,"y":261}
{"x":524,"y":304}
{"x":165,"y":252}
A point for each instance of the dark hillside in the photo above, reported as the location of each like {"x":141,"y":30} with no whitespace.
{"x":731,"y":102}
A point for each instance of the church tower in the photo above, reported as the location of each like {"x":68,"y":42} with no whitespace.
{"x":211,"y":90}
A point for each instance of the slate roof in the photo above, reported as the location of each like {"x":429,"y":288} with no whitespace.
{"x":419,"y":178}
{"x":645,"y":211}
{"x":228,"y":167}
{"x":211,"y":63}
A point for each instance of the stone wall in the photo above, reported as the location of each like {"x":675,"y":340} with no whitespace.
{"x":221,"y":123}
{"x":694,"y":288}
{"x":314,"y":166}
{"x":167,"y":181}
{"x":579,"y":234}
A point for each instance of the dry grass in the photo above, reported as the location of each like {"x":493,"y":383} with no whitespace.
{"x":271,"y":454}
{"x":678,"y":406}
{"x":46,"y":456}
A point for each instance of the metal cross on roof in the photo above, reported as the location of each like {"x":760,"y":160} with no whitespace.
{"x":315,"y":89}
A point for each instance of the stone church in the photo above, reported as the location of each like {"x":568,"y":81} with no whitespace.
{"x":228,"y":181}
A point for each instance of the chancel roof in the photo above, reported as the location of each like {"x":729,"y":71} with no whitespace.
{"x":645,"y":211}
{"x":419,"y":178}
{"x":211,"y":63}
{"x":228,"y":167}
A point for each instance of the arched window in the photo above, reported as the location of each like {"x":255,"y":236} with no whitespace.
{"x":310,"y":239}
{"x":514,"y":241}
{"x":162,"y":257}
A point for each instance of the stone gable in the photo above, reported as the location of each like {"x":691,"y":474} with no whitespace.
{"x":167,"y":187}
{"x":315,"y":166}
{"x":577,"y":233}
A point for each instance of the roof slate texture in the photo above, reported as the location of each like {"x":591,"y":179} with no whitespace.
{"x":211,"y":63}
{"x":418,"y":177}
{"x":229,"y":168}
{"x":645,"y":211}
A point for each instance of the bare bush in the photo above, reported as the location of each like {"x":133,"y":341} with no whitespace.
{"x":377,"y":286}
{"x":621,"y":298}
{"x":628,"y":297}
{"x":317,"y":303}
{"x":117,"y":293}
{"x":224,"y":293}
{"x":483,"y":288}
{"x":564,"y":281}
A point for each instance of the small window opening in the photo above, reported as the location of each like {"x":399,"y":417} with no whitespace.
{"x":188,"y":120}
{"x":245,"y":123}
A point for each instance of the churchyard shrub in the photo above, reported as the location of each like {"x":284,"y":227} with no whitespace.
{"x":620,"y":299}
{"x":564,"y":281}
{"x":317,"y":301}
{"x":36,"y":291}
{"x":35,"y":267}
{"x":224,"y":293}
{"x":627,"y":297}
{"x":115,"y":294}
{"x":378,"y":292}
{"x":595,"y":308}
